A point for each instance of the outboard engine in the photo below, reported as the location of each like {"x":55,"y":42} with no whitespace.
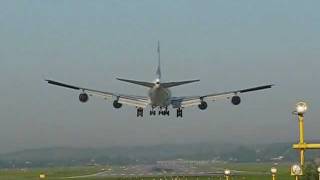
{"x":116,"y":104}
{"x":236,"y":100}
{"x":83,"y":97}
{"x":203,"y":105}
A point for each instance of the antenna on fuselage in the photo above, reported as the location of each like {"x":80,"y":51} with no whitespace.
{"x":158,"y":69}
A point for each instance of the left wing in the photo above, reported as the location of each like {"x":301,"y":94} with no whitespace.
{"x":131,"y":100}
{"x":188,"y":101}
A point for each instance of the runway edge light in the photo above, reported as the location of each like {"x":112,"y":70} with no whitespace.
{"x":301,"y":107}
{"x":273,"y":172}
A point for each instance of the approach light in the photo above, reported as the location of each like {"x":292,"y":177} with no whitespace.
{"x":273,"y":170}
{"x":296,"y":170}
{"x":301,"y":107}
{"x":42,"y":176}
{"x":227,"y":172}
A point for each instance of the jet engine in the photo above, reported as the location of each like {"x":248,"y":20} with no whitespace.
{"x":203,"y":105}
{"x":83,"y":97}
{"x":116,"y":104}
{"x":235,"y":100}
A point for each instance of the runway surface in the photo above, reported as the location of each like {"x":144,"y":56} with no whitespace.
{"x":160,"y":171}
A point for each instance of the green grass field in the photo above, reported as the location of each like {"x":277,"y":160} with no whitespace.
{"x":63,"y":173}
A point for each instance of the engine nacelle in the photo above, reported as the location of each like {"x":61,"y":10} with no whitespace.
{"x":116,"y":104}
{"x":203,"y":105}
{"x":235,"y":100}
{"x":83,"y":97}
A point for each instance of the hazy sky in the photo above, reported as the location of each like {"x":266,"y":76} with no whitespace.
{"x":227,"y":44}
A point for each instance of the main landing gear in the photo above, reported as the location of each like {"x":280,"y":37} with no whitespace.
{"x":162,"y":111}
{"x":153,"y":112}
{"x":179,"y":112}
{"x":139,"y":112}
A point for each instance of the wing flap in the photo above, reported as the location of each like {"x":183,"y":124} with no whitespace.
{"x":133,"y":102}
{"x":189,"y":103}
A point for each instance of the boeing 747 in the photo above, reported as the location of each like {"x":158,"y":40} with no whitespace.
{"x":159,"y":95}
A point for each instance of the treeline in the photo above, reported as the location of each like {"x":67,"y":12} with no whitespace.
{"x":47,"y":157}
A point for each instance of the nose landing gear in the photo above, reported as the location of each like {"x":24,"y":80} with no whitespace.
{"x":164,"y":112}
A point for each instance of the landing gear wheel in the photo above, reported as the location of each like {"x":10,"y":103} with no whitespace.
{"x":164,"y":113}
{"x":179,"y":112}
{"x":153,"y":113}
{"x":140,"y":112}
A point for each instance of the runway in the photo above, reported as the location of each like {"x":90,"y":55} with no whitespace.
{"x":148,"y":171}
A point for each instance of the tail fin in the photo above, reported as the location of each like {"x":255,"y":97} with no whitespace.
{"x":158,"y":69}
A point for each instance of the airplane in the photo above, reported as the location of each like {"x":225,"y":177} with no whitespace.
{"x":159,"y":95}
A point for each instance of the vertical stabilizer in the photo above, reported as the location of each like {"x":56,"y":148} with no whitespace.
{"x":158,"y":69}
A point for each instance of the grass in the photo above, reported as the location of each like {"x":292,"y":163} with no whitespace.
{"x":51,"y":173}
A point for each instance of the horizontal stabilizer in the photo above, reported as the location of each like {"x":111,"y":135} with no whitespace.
{"x":172,"y":84}
{"x":141,"y":83}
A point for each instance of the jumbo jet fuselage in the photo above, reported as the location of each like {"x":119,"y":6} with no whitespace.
{"x":159,"y":96}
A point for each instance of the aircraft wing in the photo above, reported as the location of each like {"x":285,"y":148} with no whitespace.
{"x":188,"y":101}
{"x":131,"y":100}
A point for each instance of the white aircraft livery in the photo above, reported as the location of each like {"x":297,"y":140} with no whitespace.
{"x":159,"y":95}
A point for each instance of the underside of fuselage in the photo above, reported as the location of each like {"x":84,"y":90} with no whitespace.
{"x":159,"y":96}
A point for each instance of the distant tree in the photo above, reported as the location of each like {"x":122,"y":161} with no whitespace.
{"x":242,"y":154}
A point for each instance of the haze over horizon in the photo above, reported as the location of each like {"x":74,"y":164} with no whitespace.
{"x":229,"y":45}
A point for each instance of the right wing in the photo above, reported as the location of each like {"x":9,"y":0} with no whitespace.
{"x":231,"y":93}
{"x":131,"y":100}
{"x":189,"y":101}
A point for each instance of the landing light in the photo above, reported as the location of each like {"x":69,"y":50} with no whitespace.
{"x":42,"y":176}
{"x":227,"y":172}
{"x":157,"y":81}
{"x":273,"y":170}
{"x":301,"y":107}
{"x":296,"y":170}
